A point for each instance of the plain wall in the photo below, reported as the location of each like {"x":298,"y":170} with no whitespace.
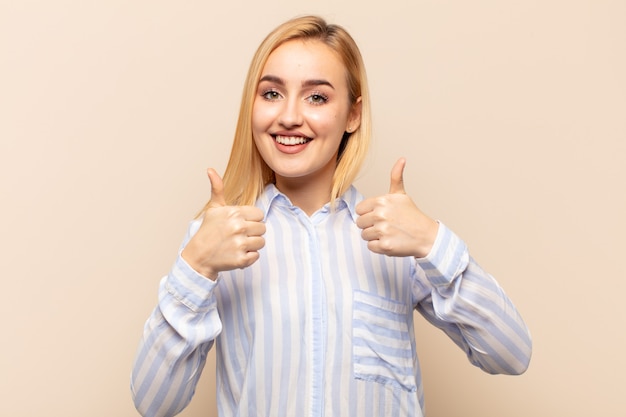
{"x":512,"y":116}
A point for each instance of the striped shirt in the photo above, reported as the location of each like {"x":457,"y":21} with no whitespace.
{"x":320,"y":325}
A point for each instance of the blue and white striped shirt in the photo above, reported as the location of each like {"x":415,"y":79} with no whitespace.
{"x":320,"y":325}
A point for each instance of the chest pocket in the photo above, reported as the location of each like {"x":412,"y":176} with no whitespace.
{"x":381,"y":342}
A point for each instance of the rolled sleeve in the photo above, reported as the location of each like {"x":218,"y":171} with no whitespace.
{"x":189,"y":287}
{"x":447,"y":260}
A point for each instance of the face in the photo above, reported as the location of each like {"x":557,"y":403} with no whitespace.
{"x":301,"y":112}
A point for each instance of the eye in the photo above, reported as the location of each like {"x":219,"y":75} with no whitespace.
{"x":270,"y":95}
{"x":317,"y":98}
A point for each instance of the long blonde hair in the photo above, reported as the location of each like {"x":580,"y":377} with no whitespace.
{"x":246,"y":174}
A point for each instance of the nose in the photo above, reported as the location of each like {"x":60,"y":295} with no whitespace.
{"x":291,"y":113}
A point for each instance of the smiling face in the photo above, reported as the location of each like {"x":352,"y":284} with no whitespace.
{"x":301,"y":112}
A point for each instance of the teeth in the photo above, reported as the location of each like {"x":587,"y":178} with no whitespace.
{"x":291,"y":140}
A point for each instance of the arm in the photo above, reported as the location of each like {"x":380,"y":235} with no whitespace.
{"x":459,"y":297}
{"x":449,"y":288}
{"x":183,"y":326}
{"x":175,"y":342}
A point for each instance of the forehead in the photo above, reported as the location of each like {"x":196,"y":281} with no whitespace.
{"x":305,"y":59}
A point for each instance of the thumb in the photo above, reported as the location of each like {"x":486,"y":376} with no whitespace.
{"x":217,"y":189}
{"x":397,"y":179}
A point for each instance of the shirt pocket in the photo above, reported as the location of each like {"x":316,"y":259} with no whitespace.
{"x":381,"y":344}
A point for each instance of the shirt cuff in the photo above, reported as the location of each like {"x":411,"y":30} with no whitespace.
{"x":447,"y":259}
{"x":189,"y":287}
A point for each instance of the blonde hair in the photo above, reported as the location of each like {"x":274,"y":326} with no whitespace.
{"x":246,"y":174}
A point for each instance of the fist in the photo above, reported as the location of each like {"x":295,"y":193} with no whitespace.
{"x":392,"y":224}
{"x":229,"y":236}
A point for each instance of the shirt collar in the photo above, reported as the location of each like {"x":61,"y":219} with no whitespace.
{"x":271,"y":196}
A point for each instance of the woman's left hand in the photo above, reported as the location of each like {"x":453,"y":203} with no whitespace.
{"x":392,"y":224}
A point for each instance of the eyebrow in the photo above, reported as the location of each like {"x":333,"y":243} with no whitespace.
{"x":306,"y":83}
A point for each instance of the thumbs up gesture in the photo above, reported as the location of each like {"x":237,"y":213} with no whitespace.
{"x":392,"y":224}
{"x":229,"y":236}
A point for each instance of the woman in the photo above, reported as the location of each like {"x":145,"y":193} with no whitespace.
{"x":306,"y":288}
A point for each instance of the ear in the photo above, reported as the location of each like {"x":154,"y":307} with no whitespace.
{"x":354,"y":118}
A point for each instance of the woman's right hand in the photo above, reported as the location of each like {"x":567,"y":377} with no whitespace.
{"x":229,"y":236}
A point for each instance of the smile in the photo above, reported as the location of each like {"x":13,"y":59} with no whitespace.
{"x":291,"y":140}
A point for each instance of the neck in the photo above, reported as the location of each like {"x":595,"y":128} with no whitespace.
{"x":307,"y":194}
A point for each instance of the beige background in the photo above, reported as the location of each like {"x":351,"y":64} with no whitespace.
{"x":512,"y":115}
